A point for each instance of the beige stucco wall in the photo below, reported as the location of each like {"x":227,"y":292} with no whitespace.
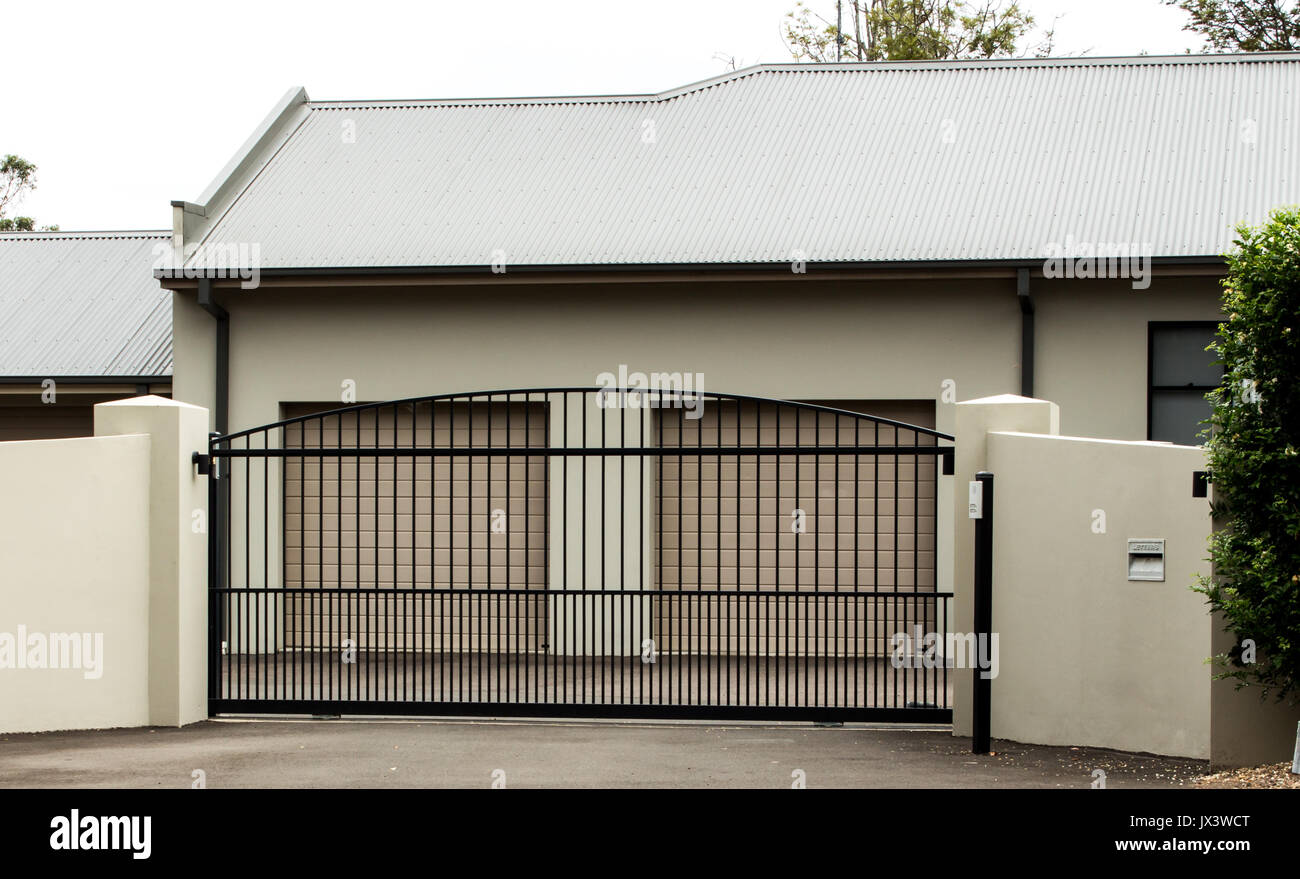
{"x":178,"y":546}
{"x":616,"y":557}
{"x":1091,"y":347}
{"x":811,"y":340}
{"x":798,"y":340}
{"x":1245,"y":729}
{"x":74,"y":558}
{"x":804,"y":338}
{"x":974,"y":420}
{"x":194,"y":351}
{"x":1086,"y":656}
{"x":105,"y":536}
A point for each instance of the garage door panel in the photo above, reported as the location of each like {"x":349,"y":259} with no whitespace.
{"x":473,"y":621}
{"x":725,"y":524}
{"x":415,"y":523}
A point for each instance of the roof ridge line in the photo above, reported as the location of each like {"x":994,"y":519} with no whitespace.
{"x":87,"y":233}
{"x":817,"y":67}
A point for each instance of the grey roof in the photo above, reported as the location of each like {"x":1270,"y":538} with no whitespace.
{"x":991,"y":160}
{"x":83,"y":304}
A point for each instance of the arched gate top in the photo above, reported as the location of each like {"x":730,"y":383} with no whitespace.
{"x":541,"y":395}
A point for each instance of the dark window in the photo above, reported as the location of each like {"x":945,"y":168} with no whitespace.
{"x":1180,"y":373}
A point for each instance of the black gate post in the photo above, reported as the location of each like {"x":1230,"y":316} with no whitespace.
{"x":216,"y":528}
{"x":983,"y":614}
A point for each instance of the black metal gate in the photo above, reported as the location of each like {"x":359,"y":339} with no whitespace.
{"x":579,"y":552}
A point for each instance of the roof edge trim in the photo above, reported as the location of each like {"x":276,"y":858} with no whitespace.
{"x":269,"y":128}
{"x":627,"y":268}
{"x":92,"y":379}
{"x":85,"y":233}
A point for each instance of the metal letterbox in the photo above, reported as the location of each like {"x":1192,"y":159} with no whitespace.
{"x":1146,"y":559}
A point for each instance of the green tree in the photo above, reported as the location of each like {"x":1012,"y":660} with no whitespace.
{"x":1254,"y":459}
{"x":909,"y":30}
{"x":17,"y":178}
{"x":1244,"y":25}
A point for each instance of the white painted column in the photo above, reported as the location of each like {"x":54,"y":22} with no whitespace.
{"x":975,"y":419}
{"x":601,"y":535}
{"x":178,"y":550}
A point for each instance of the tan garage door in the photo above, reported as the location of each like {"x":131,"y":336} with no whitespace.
{"x":407,"y":525}
{"x":726,"y":526}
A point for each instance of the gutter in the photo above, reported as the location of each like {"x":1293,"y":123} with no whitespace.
{"x":87,"y":379}
{"x":1025,"y":295}
{"x":207,"y":303}
{"x":782,"y":267}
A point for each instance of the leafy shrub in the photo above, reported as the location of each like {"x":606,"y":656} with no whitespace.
{"x":1254,"y":458}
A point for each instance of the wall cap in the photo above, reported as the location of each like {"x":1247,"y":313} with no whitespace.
{"x":1002,"y":399}
{"x":1154,"y":444}
{"x":150,"y":401}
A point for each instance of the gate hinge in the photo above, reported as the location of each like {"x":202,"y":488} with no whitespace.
{"x":202,"y":462}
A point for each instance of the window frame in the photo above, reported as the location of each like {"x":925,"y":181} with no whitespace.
{"x":1152,"y":389}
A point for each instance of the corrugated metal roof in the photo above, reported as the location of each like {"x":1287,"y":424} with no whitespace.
{"x":851,"y":162}
{"x":83,"y":304}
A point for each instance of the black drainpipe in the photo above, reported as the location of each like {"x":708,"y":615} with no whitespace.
{"x":1026,"y":333}
{"x":223,"y":351}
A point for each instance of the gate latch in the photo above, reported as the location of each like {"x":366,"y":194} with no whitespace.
{"x":202,"y":462}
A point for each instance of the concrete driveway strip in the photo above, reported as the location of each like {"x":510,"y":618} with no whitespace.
{"x":402,"y":753}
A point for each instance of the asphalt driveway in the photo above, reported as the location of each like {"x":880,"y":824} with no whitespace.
{"x":405,"y":753}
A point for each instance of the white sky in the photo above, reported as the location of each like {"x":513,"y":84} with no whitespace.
{"x":126,"y":106}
